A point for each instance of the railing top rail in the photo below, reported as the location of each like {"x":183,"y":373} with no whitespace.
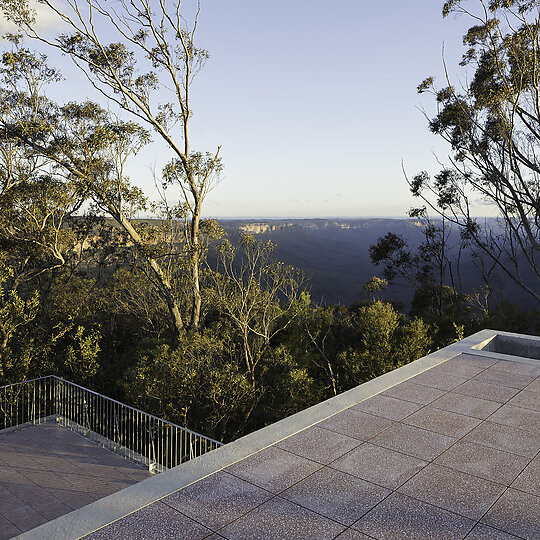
{"x":136,"y":410}
{"x":27,"y":381}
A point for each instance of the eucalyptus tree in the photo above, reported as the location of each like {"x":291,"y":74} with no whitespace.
{"x":57,"y":157}
{"x":492,"y":123}
{"x":432,"y":269}
{"x":146,"y":71}
{"x":258,"y":294}
{"x":34,"y":202}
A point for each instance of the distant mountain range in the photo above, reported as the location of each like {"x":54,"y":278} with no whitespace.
{"x":334,"y":253}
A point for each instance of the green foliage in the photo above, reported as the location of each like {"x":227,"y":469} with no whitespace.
{"x":82,"y":355}
{"x":16,"y":312}
{"x":198,"y":383}
{"x":342,"y":347}
{"x":290,"y":386}
{"x":386,"y":341}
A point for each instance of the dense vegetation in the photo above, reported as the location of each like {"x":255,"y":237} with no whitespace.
{"x":263,"y":350}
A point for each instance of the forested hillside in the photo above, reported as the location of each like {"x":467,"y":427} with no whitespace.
{"x":264,"y":348}
{"x":334,"y":253}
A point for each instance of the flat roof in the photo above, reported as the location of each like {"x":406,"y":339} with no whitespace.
{"x":47,"y":471}
{"x":445,"y":447}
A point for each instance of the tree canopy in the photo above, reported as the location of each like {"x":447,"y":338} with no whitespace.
{"x":492,"y":122}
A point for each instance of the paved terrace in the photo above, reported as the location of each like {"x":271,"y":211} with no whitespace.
{"x":444,"y":448}
{"x":47,"y":471}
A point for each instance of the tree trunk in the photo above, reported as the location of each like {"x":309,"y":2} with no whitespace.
{"x":158,"y":271}
{"x":195,"y":260}
{"x":4,"y":337}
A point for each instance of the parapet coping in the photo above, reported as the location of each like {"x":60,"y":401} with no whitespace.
{"x":98,"y":514}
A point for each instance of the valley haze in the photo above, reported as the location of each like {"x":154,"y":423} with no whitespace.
{"x":334,"y":254}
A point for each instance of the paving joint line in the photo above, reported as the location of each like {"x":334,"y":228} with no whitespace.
{"x":370,"y":440}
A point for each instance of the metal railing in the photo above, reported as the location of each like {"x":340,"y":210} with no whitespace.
{"x":138,"y":436}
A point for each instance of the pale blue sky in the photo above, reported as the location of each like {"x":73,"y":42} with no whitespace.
{"x":314,"y":104}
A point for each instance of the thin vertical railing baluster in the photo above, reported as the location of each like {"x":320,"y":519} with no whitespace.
{"x":130,"y":432}
{"x":150,"y":441}
{"x":59,"y":402}
{"x":110,"y":423}
{"x":175,"y":446}
{"x":159,"y":443}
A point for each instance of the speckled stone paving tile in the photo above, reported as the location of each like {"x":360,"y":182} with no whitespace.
{"x":9,"y":502}
{"x":7,"y":529}
{"x":379,"y":465}
{"x":273,"y":469}
{"x":509,"y":439}
{"x":459,"y":367}
{"x":534,"y":386}
{"x":529,"y":479}
{"x":49,"y":480}
{"x":457,"y":492}
{"x":483,"y":461}
{"x":516,"y":513}
{"x":218,"y":499}
{"x":482,"y":532}
{"x":466,"y":405}
{"x":387,"y":407}
{"x":279,"y":519}
{"x":441,"y":381}
{"x":484,"y":390}
{"x":444,"y":422}
{"x":356,"y":424}
{"x":36,"y":497}
{"x":417,"y":393}
{"x":336,"y":495}
{"x":519,"y":368}
{"x":414,"y":441}
{"x":24,"y":517}
{"x":157,"y":521}
{"x":399,"y":516}
{"x":526,"y":400}
{"x":351,"y":534}
{"x":517,"y":417}
{"x":504,"y":378}
{"x":317,"y":444}
{"x":48,"y":471}
{"x":473,"y":360}
{"x":54,"y":509}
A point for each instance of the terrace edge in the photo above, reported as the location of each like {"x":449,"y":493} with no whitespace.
{"x":103,"y":512}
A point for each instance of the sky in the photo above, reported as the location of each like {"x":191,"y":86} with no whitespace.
{"x":314,"y":104}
